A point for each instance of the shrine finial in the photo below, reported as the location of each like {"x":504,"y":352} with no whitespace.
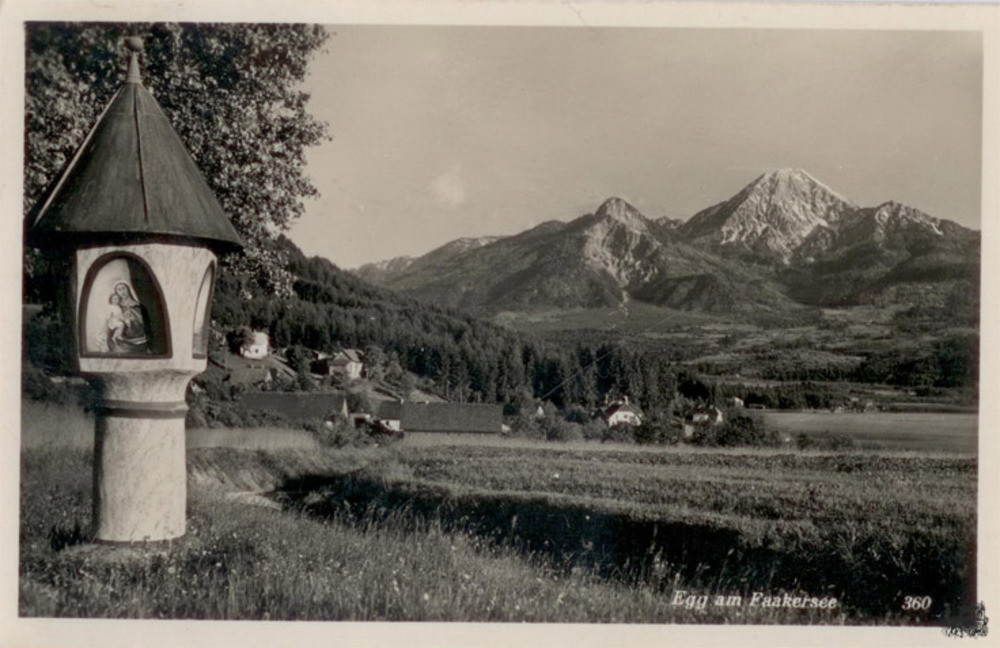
{"x":135,"y":47}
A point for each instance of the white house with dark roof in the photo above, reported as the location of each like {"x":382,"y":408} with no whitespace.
{"x":703,"y":417}
{"x":348,"y":363}
{"x":622,"y":412}
{"x":259,"y":346}
{"x":708,"y":415}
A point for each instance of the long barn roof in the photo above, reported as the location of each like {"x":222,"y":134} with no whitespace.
{"x":132,"y":179}
{"x":450,"y":417}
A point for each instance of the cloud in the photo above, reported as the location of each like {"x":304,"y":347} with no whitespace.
{"x":448,"y":189}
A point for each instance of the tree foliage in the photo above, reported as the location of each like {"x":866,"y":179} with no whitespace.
{"x":231,"y":91}
{"x":466,"y":358}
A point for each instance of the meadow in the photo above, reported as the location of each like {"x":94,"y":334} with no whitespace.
{"x":52,"y":425}
{"x":921,"y":431}
{"x":445,"y":528}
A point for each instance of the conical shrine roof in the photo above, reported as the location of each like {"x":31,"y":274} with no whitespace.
{"x":131,"y":180}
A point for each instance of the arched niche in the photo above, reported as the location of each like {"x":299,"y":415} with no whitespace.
{"x":122,"y":313}
{"x":203,"y":313}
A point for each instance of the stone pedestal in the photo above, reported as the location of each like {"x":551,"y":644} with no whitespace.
{"x":140,"y":476}
{"x":140,"y":479}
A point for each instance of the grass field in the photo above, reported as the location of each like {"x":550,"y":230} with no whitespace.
{"x":58,"y":426}
{"x":922,"y":431}
{"x":448,"y":529}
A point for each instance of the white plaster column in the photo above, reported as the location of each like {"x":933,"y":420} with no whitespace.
{"x":140,"y":475}
{"x":140,"y":478}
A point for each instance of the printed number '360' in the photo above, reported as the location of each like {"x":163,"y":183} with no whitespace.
{"x":917,"y":603}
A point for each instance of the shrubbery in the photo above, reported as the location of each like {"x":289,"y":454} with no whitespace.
{"x":620,"y":433}
{"x":571,"y":424}
{"x":206,"y":414}
{"x":657,"y":428}
{"x":836,"y":441}
{"x":593,"y":430}
{"x":37,"y":386}
{"x":338,"y":433}
{"x":741,"y":428}
{"x":557,"y":429}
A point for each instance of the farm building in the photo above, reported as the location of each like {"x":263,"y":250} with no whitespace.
{"x":703,"y":417}
{"x":391,"y":414}
{"x":297,"y":405}
{"x":258,"y":347}
{"x":707,"y":415}
{"x":347,"y":363}
{"x":450,"y":417}
{"x":622,"y":412}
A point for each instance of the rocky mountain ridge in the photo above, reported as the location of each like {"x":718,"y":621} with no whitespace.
{"x":770,"y":218}
{"x":784,"y":242}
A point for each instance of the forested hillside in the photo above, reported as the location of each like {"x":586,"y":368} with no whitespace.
{"x":463,"y":358}
{"x":469,"y":359}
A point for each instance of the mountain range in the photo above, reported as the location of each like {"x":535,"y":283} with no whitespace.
{"x":784,"y":242}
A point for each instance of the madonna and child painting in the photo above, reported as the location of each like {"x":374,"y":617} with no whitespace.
{"x":127,"y":323}
{"x":123,"y":313}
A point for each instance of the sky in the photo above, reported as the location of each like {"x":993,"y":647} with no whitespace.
{"x":447,"y":132}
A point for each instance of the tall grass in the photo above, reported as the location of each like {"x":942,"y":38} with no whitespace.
{"x":262,"y":438}
{"x":955,"y":433}
{"x":825,"y":524}
{"x":244,"y":562}
{"x":514,"y":533}
{"x":63,"y":425}
{"x":47,"y":425}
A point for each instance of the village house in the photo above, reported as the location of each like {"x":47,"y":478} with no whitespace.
{"x":257,"y":347}
{"x":622,"y":412}
{"x":703,"y":417}
{"x":707,"y":415}
{"x":734,"y":401}
{"x":347,"y":363}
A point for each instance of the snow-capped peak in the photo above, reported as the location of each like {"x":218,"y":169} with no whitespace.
{"x":771,"y":217}
{"x":621,"y":211}
{"x":790,"y":181}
